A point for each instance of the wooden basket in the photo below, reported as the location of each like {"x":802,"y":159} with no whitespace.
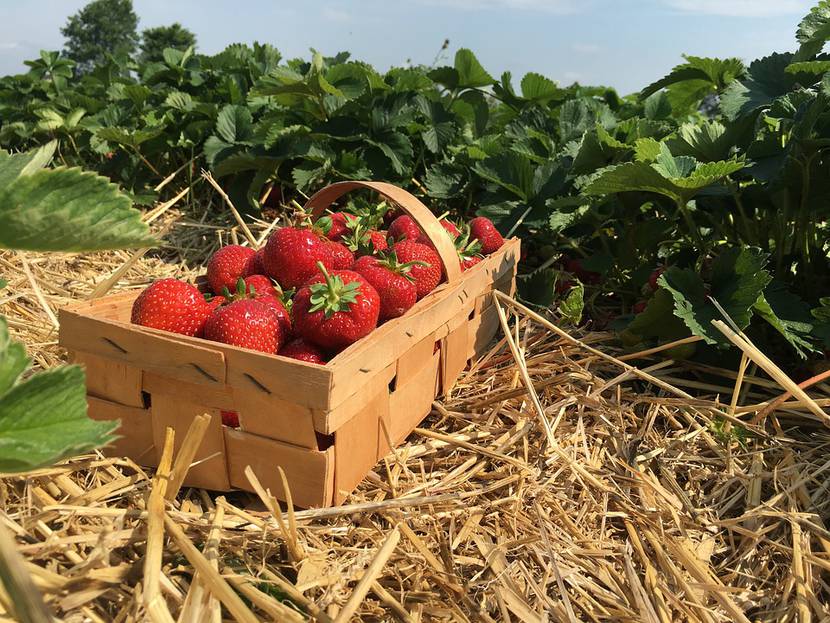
{"x":326,"y":426}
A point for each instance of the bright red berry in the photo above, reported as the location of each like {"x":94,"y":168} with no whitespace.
{"x":171,"y":305}
{"x":335,"y":225}
{"x":227,"y":265}
{"x":281,"y":311}
{"x":230,"y":418}
{"x":483,"y":230}
{"x":258,"y":265}
{"x":333,"y":310}
{"x":469,"y":262}
{"x":404,"y":228}
{"x":292,"y":253}
{"x":216,"y":301}
{"x":378,"y":240}
{"x":248,"y":324}
{"x":391,"y":279}
{"x":427,"y":275}
{"x":260,"y":285}
{"x":302,"y":350}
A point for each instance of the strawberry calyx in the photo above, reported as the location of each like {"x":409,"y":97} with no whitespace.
{"x":467,"y":247}
{"x":334,"y":295}
{"x":247,"y":291}
{"x":391,"y":262}
{"x":359,"y":236}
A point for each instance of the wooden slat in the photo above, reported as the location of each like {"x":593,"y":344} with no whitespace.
{"x":143,"y":348}
{"x":309,"y":472}
{"x":356,"y":446}
{"x":214,"y":396}
{"x":280,"y":420}
{"x":327,"y":422}
{"x":111,"y":380}
{"x":412,"y":402}
{"x":169,"y":410}
{"x":481,"y":331}
{"x":135,"y":432}
{"x":454,"y":356}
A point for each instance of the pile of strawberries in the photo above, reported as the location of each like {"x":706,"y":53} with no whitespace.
{"x":312,"y":290}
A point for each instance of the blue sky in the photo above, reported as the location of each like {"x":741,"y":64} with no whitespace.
{"x":621,"y":43}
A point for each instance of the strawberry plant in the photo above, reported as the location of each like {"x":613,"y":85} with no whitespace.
{"x":718,"y":170}
{"x":43,"y":415}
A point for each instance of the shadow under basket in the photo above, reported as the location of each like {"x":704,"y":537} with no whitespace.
{"x":326,"y":426}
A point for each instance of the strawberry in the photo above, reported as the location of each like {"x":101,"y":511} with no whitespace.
{"x":260,"y":285}
{"x":230,"y":418}
{"x":404,"y":228}
{"x":171,"y":305}
{"x":391,"y":279}
{"x":427,"y":275}
{"x":258,"y":266}
{"x":216,"y":301}
{"x":292,"y":253}
{"x":586,"y":276}
{"x":469,"y":251}
{"x":448,"y":226}
{"x":335,"y":225}
{"x":302,"y":350}
{"x":361,"y":239}
{"x":390,"y":215}
{"x":227,"y":265}
{"x":639,"y":307}
{"x":246,"y":323}
{"x":333,"y":310}
{"x":468,"y":262}
{"x":280,"y":310}
{"x":483,"y":230}
{"x":654,"y":276}
{"x":342,"y":257}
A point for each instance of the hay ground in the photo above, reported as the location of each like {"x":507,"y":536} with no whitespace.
{"x":625,"y":499}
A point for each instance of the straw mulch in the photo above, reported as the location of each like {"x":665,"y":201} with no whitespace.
{"x":624,"y":499}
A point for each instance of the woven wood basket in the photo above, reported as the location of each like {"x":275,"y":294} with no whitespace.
{"x":326,"y":426}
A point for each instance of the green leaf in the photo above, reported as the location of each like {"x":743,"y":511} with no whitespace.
{"x":130,"y":138}
{"x":13,"y":359}
{"x":442,"y":183}
{"x":234,"y":123}
{"x":765,"y":80}
{"x":647,"y":149}
{"x":657,"y":320}
{"x":809,"y":67}
{"x":788,"y":315}
{"x":715,"y":73}
{"x":738,"y":279}
{"x":63,"y":209}
{"x":537,"y":88}
{"x":572,"y":307}
{"x":657,"y":106}
{"x":43,"y":420}
{"x":513,"y":172}
{"x":470,"y":72}
{"x":813,"y":31}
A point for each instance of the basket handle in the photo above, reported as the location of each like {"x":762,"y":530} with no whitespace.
{"x":422,"y":215}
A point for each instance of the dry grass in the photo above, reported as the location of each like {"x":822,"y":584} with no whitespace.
{"x":623,"y":499}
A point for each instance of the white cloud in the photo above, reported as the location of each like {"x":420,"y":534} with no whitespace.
{"x":9,"y":45}
{"x":547,"y":6}
{"x":336,"y":15}
{"x":741,"y":8}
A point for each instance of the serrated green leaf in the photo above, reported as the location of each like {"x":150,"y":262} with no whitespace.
{"x":14,"y":166}
{"x":813,"y":30}
{"x":66,"y":210}
{"x":43,"y":420}
{"x":537,"y":88}
{"x":788,"y":315}
{"x":13,"y":359}
{"x":442,"y":183}
{"x":513,"y":172}
{"x":234,"y":123}
{"x":646,"y":149}
{"x":657,"y":106}
{"x":657,"y":320}
{"x":571,"y":308}
{"x":470,"y":72}
{"x":738,"y":279}
{"x":808,"y":67}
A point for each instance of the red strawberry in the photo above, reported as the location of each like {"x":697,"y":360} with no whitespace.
{"x":342,"y":257}
{"x":654,"y":276}
{"x":391,"y":279}
{"x":260,"y":285}
{"x":335,"y":225}
{"x":246,"y":323}
{"x":426,"y":276}
{"x":390,"y":215}
{"x":302,"y":350}
{"x":279,"y":308}
{"x":230,"y":418}
{"x":404,"y":228}
{"x":586,"y":276}
{"x":171,"y":305}
{"x":258,"y":265}
{"x":483,"y":230}
{"x":469,"y":251}
{"x":333,"y":310}
{"x":216,"y":301}
{"x":227,"y":265}
{"x":469,"y":262}
{"x":292,"y":253}
{"x":378,"y":240}
{"x":639,"y":307}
